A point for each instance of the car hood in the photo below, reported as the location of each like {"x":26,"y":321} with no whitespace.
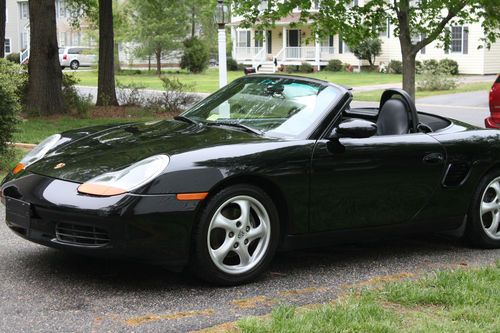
{"x":114,"y":148}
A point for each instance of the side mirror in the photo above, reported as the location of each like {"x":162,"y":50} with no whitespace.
{"x":354,"y":128}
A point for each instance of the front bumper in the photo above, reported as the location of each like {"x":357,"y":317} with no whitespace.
{"x":155,"y":228}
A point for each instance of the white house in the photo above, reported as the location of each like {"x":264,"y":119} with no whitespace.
{"x":286,"y":45}
{"x":17,"y":32}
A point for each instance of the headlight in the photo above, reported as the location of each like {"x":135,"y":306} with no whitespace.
{"x":126,"y":180}
{"x":37,"y":153}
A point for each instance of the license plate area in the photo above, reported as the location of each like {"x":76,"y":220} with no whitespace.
{"x":17,"y":213}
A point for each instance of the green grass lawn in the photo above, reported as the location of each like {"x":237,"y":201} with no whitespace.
{"x":34,"y":130}
{"x":448,"y":301}
{"x":208,"y":81}
{"x":374,"y":95}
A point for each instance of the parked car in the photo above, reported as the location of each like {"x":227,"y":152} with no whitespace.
{"x":75,"y":57}
{"x":268,"y":162}
{"x":493,"y":121}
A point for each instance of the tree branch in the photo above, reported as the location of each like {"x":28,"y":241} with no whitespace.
{"x":451,"y":14}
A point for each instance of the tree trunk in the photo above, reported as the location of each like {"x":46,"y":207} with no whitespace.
{"x":409,"y":73}
{"x":149,"y":63}
{"x":3,"y":20}
{"x":106,"y":92}
{"x":158,"y":61}
{"x":116,"y":51}
{"x":45,"y":75}
{"x":193,"y":22}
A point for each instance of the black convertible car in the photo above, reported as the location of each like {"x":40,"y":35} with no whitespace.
{"x":268,"y":162}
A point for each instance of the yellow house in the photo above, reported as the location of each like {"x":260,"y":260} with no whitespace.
{"x":293,"y":44}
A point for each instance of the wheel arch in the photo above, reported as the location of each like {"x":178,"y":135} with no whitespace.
{"x":265,"y":184}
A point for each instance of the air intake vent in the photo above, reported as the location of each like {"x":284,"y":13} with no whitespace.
{"x":81,"y":235}
{"x":456,"y":174}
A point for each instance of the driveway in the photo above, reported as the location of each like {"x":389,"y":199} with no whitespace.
{"x":44,"y":290}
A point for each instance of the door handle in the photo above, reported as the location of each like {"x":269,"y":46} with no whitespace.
{"x":433,"y":158}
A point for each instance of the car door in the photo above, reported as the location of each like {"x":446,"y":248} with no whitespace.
{"x":381,"y":180}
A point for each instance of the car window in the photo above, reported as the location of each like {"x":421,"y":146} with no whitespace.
{"x":74,"y":51}
{"x":279,"y":106}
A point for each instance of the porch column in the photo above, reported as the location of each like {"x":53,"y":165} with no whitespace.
{"x":284,"y":37}
{"x":318,"y":52}
{"x":233,"y":42}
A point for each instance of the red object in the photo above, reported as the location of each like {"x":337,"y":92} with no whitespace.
{"x":65,"y":57}
{"x":493,"y":121}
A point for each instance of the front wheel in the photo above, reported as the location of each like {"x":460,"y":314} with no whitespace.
{"x":236,"y":237}
{"x":483,"y":225}
{"x":74,"y":65}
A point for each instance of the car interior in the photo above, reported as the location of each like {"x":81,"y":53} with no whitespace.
{"x":397,"y":115}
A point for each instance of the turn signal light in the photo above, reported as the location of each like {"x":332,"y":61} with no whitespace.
{"x":19,"y":167}
{"x":191,"y":196}
{"x":100,"y":190}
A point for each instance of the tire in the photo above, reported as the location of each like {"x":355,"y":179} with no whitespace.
{"x":74,"y":65}
{"x":229,"y":246}
{"x":63,"y":67}
{"x":483,"y":219}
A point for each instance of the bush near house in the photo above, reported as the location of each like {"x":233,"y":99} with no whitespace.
{"x":449,"y":65}
{"x":435,"y":77}
{"x":334,"y":65}
{"x":395,"y":67}
{"x":306,"y":67}
{"x":14,"y":57}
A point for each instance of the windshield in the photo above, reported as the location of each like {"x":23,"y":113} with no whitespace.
{"x":277,"y":106}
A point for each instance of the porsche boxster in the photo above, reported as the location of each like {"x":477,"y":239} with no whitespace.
{"x":267,"y":163}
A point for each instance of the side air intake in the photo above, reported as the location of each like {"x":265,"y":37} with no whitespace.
{"x":456,"y":174}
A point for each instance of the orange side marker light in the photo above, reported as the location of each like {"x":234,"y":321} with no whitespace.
{"x":191,"y":196}
{"x":19,"y":167}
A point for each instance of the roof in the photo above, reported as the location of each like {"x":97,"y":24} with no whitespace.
{"x":292,"y":18}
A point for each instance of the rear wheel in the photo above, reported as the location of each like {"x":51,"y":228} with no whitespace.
{"x":483,"y":226}
{"x":74,"y":65}
{"x":236,"y":237}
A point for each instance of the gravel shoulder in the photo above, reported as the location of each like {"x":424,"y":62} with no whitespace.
{"x":44,"y":290}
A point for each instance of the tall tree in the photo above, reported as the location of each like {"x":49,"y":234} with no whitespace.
{"x":106,"y":90}
{"x":45,"y":75}
{"x":158,"y":25}
{"x":417,"y":23}
{"x":3,"y":21}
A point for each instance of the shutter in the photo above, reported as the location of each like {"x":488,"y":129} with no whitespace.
{"x":465,"y":36}
{"x":330,"y":41}
{"x":388,"y":28}
{"x":249,"y":39}
{"x":341,"y":44}
{"x":447,"y":33}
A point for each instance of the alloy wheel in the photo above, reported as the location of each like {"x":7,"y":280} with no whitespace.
{"x":239,"y":235}
{"x":490,"y":209}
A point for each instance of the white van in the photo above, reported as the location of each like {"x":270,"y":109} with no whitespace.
{"x":77,"y":56}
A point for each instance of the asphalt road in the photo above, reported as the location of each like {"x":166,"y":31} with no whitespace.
{"x":44,"y":290}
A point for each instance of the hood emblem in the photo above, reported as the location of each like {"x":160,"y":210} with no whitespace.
{"x":60,"y":166}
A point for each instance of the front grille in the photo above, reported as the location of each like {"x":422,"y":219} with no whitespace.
{"x":456,"y":174}
{"x":81,"y":235}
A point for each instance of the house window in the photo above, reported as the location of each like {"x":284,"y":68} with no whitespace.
{"x":62,"y":38}
{"x":24,"y":40}
{"x":244,"y":38}
{"x":459,"y":39}
{"x":316,"y":4}
{"x":75,"y":38}
{"x":259,"y":38}
{"x":327,"y":44}
{"x":7,"y":47}
{"x":343,"y":48}
{"x":386,"y":31}
{"x":61,"y":9}
{"x":24,"y":10}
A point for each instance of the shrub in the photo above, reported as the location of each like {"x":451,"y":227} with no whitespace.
{"x":395,"y":67}
{"x":13,"y":82}
{"x":14,"y":57}
{"x":291,"y":68}
{"x":174,"y":99}
{"x":334,"y":65}
{"x":435,"y":78}
{"x":450,"y":66}
{"x":232,"y":65}
{"x":430,"y":65}
{"x":130,"y":94}
{"x":196,"y":55}
{"x":130,"y":72}
{"x":74,"y":103}
{"x":305,"y":68}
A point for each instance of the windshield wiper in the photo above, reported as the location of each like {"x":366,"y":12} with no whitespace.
{"x":186,"y":119}
{"x":239,"y":125}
